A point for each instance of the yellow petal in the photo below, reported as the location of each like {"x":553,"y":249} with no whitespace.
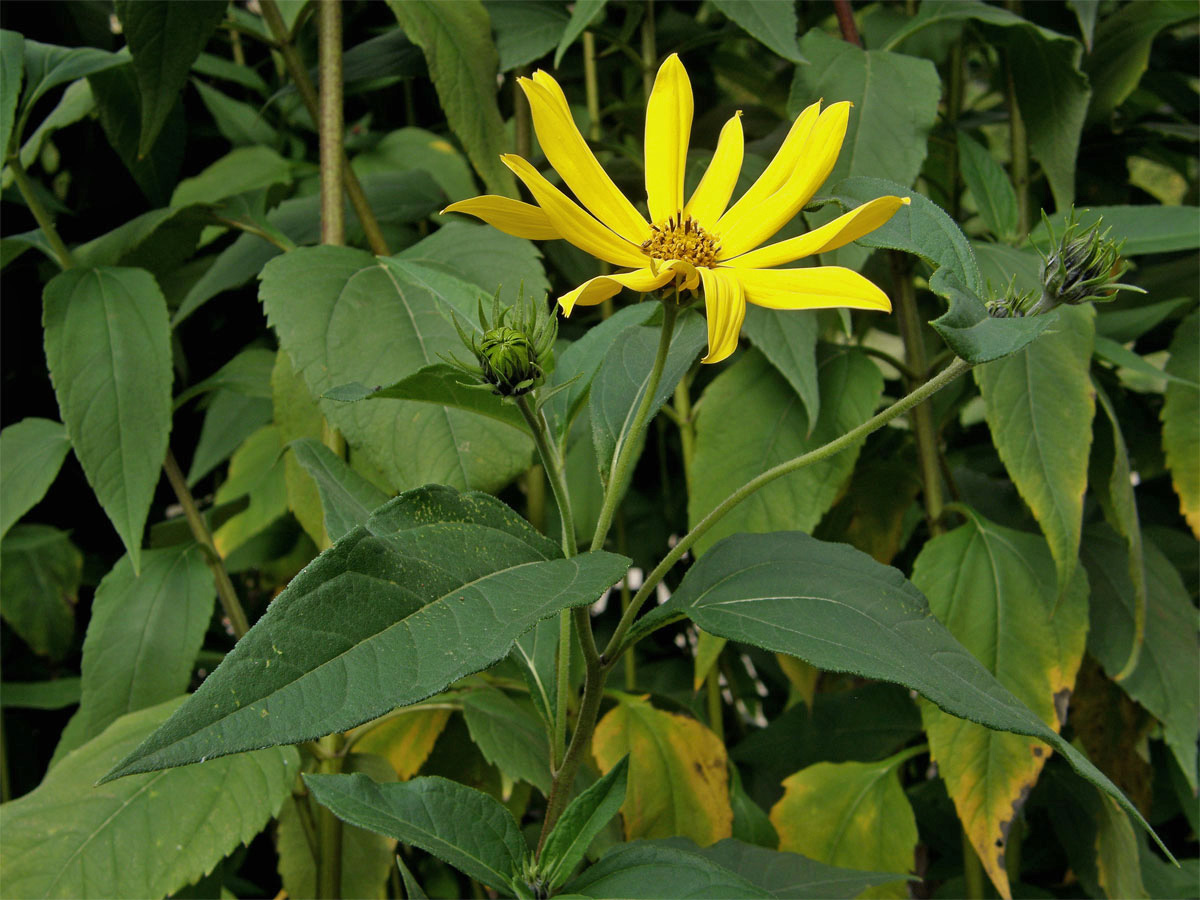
{"x":668,"y":125}
{"x":523,"y":220}
{"x":819,"y":287}
{"x":570,"y":156}
{"x":598,"y":289}
{"x":725,"y":304}
{"x":838,"y":233}
{"x":571,"y":222}
{"x":715,"y":188}
{"x":777,"y":170}
{"x":817,"y":161}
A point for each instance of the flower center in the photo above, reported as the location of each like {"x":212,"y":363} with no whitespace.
{"x":681,"y":238}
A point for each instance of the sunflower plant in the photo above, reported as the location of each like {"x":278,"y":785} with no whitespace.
{"x":629,"y":449}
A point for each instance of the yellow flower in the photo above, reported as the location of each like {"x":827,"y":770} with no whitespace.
{"x":700,"y":242}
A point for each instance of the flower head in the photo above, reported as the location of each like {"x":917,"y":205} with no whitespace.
{"x":699,"y":242}
{"x":512,"y":356}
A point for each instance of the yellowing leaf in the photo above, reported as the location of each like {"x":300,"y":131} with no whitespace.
{"x":678,"y":773}
{"x":801,"y":675}
{"x":255,"y":469}
{"x":1181,"y":426}
{"x":405,"y":740}
{"x":850,"y":814}
{"x":993,"y":588}
{"x":297,"y":416}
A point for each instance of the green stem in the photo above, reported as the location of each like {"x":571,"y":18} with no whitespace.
{"x":552,"y":462}
{"x":649,"y":49}
{"x":1019,"y":145}
{"x":308,"y":94}
{"x":623,"y":458}
{"x":562,"y":691}
{"x":716,"y":721}
{"x":687,"y":430}
{"x":616,"y":644}
{"x":230,"y":604}
{"x":591,"y":85}
{"x":972,"y":870}
{"x":522,"y":118}
{"x":626,"y":597}
{"x":329,"y":826}
{"x":40,"y":213}
{"x":330,"y":125}
{"x":909,"y":321}
{"x":535,"y":496}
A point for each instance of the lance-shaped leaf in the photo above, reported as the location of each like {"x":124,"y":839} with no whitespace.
{"x":581,"y":822}
{"x":993,"y":588}
{"x":467,"y":828}
{"x":435,"y":586}
{"x":347,"y":498}
{"x":146,"y":836}
{"x":31,"y":453}
{"x":838,"y":609}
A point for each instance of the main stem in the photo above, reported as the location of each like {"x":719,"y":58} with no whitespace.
{"x":619,"y":473}
{"x":616,"y":645}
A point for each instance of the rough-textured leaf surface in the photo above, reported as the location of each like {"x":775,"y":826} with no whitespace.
{"x":460,"y":825}
{"x":40,"y":571}
{"x":342,"y":316}
{"x":678,"y":780}
{"x":457,"y":41}
{"x":525,"y":31}
{"x":405,"y":740}
{"x":142,"y":638}
{"x":31,"y":453}
{"x":772,"y":24}
{"x":581,"y":821}
{"x":850,"y":814}
{"x":650,"y":870}
{"x":787,"y":874}
{"x":993,"y":589}
{"x":165,"y":38}
{"x":145,"y":836}
{"x":974,"y":335}
{"x":435,"y":586}
{"x":347,"y":498}
{"x":621,"y":381}
{"x":838,"y":609}
{"x":108,"y":346}
{"x":750,"y":419}
{"x":1039,"y":405}
{"x":789,"y":342}
{"x":1168,"y":668}
{"x":1181,"y":425}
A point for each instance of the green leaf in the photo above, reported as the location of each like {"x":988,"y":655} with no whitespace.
{"x":895,"y":101}
{"x":750,"y":821}
{"x":580,"y":822}
{"x":771,"y":24}
{"x":31,"y":453}
{"x":143,"y":637}
{"x":621,"y":380}
{"x":69,"y":838}
{"x":509,"y":735}
{"x":347,"y":498}
{"x":12,"y":73}
{"x":1122,"y":357}
{"x":993,"y":589}
{"x":165,"y":38}
{"x":1122,"y":51}
{"x":367,"y":857}
{"x":444,"y":385}
{"x":1143,"y":229}
{"x":750,"y":419}
{"x":525,"y":30}
{"x":1085,"y":11}
{"x":1123,"y":322}
{"x":47,"y":66}
{"x":790,"y":874}
{"x":650,"y":870}
{"x":1001,"y":266}
{"x":239,"y":123}
{"x":1039,"y":405}
{"x":375,"y":322}
{"x":922,"y":228}
{"x":1164,"y":681}
{"x":583,"y":12}
{"x":108,"y":346}
{"x":457,"y":41}
{"x":536,"y":653}
{"x":971,"y":332}
{"x":256,"y":470}
{"x":416,"y":148}
{"x":464,"y":827}
{"x":242,"y":169}
{"x":678,"y":782}
{"x":412,"y":890}
{"x":1181,"y":427}
{"x":56,"y":694}
{"x":248,"y":374}
{"x":789,"y":593}
{"x":789,"y":342}
{"x":76,"y":102}
{"x":850,"y":814}
{"x":297,"y":415}
{"x":993,"y":192}
{"x":433,"y":569}
{"x":230,"y":419}
{"x":40,"y":571}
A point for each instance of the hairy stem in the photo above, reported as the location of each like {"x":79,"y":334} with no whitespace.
{"x":591,"y":85}
{"x":616,"y":645}
{"x":623,"y":459}
{"x":330,"y":122}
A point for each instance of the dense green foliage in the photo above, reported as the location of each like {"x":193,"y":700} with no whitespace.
{"x":296,"y":599}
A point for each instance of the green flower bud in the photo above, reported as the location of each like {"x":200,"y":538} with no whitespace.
{"x":508,"y":361}
{"x":515,"y":351}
